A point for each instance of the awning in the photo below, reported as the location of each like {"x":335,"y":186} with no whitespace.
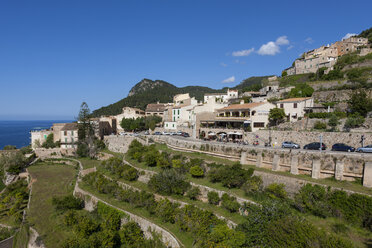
{"x":212,"y":134}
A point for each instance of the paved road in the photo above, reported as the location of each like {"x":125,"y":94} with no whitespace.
{"x":278,"y":148}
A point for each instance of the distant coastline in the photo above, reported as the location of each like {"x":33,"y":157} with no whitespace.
{"x":17,"y":132}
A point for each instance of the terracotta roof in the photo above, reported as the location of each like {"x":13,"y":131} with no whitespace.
{"x":155,"y":107}
{"x":242,"y":106}
{"x":70,"y":126}
{"x":298,"y":99}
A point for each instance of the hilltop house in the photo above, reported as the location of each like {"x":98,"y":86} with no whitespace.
{"x":156,"y":109}
{"x":128,"y":113}
{"x":222,"y":97}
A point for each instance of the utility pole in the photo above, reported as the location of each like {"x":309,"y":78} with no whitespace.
{"x":362,"y":140}
{"x":321,"y":142}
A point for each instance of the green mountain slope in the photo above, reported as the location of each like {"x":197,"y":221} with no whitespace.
{"x":149,"y":91}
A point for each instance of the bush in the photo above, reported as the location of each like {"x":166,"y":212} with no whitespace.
{"x":67,"y":202}
{"x":253,"y":185}
{"x":320,"y":125}
{"x":193,"y":193}
{"x":213,"y":198}
{"x":9,"y":147}
{"x":82,"y":150}
{"x":230,"y":176}
{"x":131,"y":174}
{"x":276,"y":191}
{"x":151,"y":158}
{"x":196,"y":171}
{"x":353,"y":121}
{"x":230,"y":203}
{"x":168,"y":182}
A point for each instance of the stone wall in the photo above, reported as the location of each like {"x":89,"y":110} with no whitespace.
{"x":342,"y":166}
{"x":303,"y":138}
{"x":53,"y":152}
{"x":118,"y":143}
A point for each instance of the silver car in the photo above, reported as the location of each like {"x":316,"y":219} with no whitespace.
{"x":290,"y":144}
{"x":365,"y":149}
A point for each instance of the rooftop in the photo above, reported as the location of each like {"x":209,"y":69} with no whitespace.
{"x":70,"y":126}
{"x":242,"y":106}
{"x":156,"y":107}
{"x":298,"y":99}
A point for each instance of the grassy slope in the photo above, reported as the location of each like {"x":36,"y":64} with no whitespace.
{"x":50,"y":180}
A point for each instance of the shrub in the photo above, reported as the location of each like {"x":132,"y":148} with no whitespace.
{"x":151,"y":157}
{"x":168,"y":182}
{"x":67,"y":202}
{"x":230,"y":176}
{"x":193,"y":193}
{"x":320,"y":125}
{"x":196,"y":171}
{"x":253,"y":185}
{"x":213,"y":198}
{"x":276,"y":191}
{"x":131,"y":174}
{"x":353,"y":121}
{"x":229,"y":203}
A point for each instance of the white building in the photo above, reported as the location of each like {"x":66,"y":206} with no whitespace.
{"x":255,"y":115}
{"x":222,"y":97}
{"x":38,"y":137}
{"x":295,"y":107}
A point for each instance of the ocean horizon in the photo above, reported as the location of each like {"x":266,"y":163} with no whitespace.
{"x":17,"y":132}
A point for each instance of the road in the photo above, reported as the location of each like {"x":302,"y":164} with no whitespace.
{"x":278,"y":148}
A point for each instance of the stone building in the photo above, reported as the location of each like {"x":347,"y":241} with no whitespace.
{"x":156,"y":109}
{"x":350,"y":45}
{"x":69,"y":136}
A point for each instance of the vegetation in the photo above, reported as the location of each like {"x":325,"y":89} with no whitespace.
{"x":140,"y":124}
{"x":301,"y":90}
{"x":9,"y":147}
{"x":49,"y":142}
{"x":213,"y":198}
{"x":230,"y":176}
{"x":51,"y":180}
{"x":116,"y":166}
{"x":88,"y":144}
{"x":148,"y":91}
{"x":200,"y":223}
{"x":13,"y":162}
{"x":12,"y":202}
{"x":360,"y":103}
{"x":276,"y":116}
{"x":367,"y":34}
{"x":353,"y":121}
{"x":326,"y":115}
{"x":320,"y":125}
{"x":169,"y":181}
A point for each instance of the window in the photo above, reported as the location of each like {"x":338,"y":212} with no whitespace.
{"x":72,"y":133}
{"x":259,"y":124}
{"x":172,"y":125}
{"x":65,"y":140}
{"x":72,"y":140}
{"x":178,"y":112}
{"x":295,"y":105}
{"x":65,"y":132}
{"x":166,"y":125}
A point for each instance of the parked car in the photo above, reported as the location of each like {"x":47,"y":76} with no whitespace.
{"x":173,"y":133}
{"x":157,"y":133}
{"x":365,"y":149}
{"x":166,"y":133}
{"x":315,"y":146}
{"x":342,"y":147}
{"x":147,"y":133}
{"x":179,"y":133}
{"x":185,"y":135}
{"x":290,"y":144}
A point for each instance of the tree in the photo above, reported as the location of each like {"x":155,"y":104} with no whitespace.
{"x":168,"y":182}
{"x":353,"y":121}
{"x":193,"y":193}
{"x":360,"y":103}
{"x":213,"y":198}
{"x":276,"y":115}
{"x":9,"y":147}
{"x":301,"y":90}
{"x":196,"y":171}
{"x":86,"y":145}
{"x":284,"y":73}
{"x":320,"y":125}
{"x":13,"y":162}
{"x":333,"y":121}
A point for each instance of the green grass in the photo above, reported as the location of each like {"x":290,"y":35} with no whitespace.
{"x":360,"y":237}
{"x":235,"y":217}
{"x":21,"y":237}
{"x":89,"y":163}
{"x":185,"y":238}
{"x":49,"y":181}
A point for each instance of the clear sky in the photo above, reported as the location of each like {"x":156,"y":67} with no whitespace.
{"x":56,"y":54}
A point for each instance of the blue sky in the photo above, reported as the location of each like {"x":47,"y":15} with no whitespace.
{"x":56,"y":54}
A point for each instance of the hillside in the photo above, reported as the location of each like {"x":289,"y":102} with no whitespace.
{"x":149,"y":91}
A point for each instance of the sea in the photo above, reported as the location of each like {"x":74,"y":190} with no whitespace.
{"x":17,"y":133}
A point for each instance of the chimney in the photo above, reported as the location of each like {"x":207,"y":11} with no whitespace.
{"x":242,"y":101}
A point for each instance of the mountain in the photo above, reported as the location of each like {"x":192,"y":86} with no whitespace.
{"x":149,"y":91}
{"x":249,"y":82}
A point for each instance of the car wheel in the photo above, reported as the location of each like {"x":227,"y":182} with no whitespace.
{"x":348,"y":150}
